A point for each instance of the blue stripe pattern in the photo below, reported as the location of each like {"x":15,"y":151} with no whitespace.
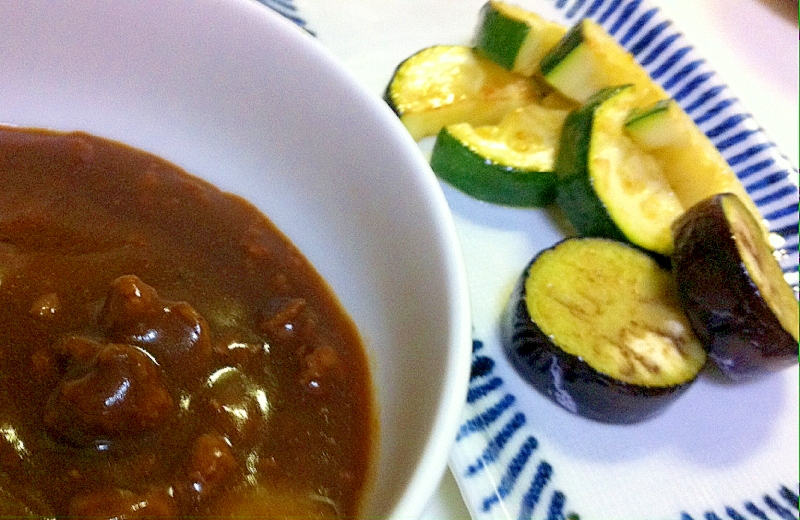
{"x":478,"y":392}
{"x":594,"y":8}
{"x":734,"y":514}
{"x":637,"y":26}
{"x":575,"y":8}
{"x":691,"y":86}
{"x":681,"y":74}
{"x":287,"y":9}
{"x":714,"y":110}
{"x":626,"y":13}
{"x":556,"y":509}
{"x":496,"y":445}
{"x":513,"y":470}
{"x":749,"y":153}
{"x":486,"y":418}
{"x":782,"y":506}
{"x":543,"y":473}
{"x":661,"y":49}
{"x":704,"y":98}
{"x":614,"y":5}
{"x":670,"y":62}
{"x":509,"y":443}
{"x":649,"y":37}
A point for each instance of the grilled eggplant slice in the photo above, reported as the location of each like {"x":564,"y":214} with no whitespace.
{"x":733,"y":289}
{"x":596,"y":326}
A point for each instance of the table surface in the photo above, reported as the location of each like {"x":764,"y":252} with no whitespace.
{"x":751,"y":44}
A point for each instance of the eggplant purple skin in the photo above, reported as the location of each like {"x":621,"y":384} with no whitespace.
{"x":739,"y":331}
{"x":569,"y":381}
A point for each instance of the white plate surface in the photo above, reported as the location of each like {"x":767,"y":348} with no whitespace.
{"x":722,"y":450}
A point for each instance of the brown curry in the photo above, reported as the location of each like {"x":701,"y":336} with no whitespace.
{"x":164,"y":349}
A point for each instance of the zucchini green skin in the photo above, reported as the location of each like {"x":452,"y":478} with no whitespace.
{"x":515,"y":38}
{"x":653,"y":127}
{"x":388,"y":94}
{"x":656,"y":110}
{"x":571,"y":40}
{"x":742,"y":334}
{"x":570,"y":68}
{"x":470,"y":173}
{"x":448,"y":84}
{"x":507,"y":34}
{"x":568,"y":380}
{"x":588,"y":59}
{"x":575,"y":194}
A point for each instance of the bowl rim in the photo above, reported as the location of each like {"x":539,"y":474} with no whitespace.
{"x":434,"y":455}
{"x":434,"y":458}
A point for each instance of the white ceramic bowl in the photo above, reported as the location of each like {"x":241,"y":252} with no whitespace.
{"x":239,"y":96}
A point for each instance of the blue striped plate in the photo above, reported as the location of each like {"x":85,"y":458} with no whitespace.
{"x":717,"y":453}
{"x":722,"y":451}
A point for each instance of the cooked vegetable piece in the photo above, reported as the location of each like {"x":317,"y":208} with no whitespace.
{"x":510,"y":163}
{"x":607,"y":186}
{"x":628,"y":174}
{"x":515,"y":38}
{"x":733,"y":289}
{"x":588,"y":59}
{"x":595,"y":325}
{"x":448,"y":84}
{"x":693,"y":166}
{"x":656,"y":126}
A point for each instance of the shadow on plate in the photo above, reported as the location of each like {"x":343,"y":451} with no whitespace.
{"x":713,"y":425}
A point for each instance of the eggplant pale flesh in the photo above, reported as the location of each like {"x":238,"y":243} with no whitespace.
{"x":733,"y":289}
{"x":595,"y":325}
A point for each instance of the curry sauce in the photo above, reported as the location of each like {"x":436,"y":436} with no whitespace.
{"x":164,"y":349}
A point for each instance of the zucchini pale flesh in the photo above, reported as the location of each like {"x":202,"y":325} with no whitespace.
{"x":447,"y":84}
{"x":733,"y":289}
{"x":510,"y":163}
{"x":587,"y":59}
{"x":595,"y":325}
{"x":692,"y":165}
{"x":608,"y":186}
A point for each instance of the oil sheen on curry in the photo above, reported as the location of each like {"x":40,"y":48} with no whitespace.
{"x":164,"y":350}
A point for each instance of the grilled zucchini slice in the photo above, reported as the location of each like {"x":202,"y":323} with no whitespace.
{"x":595,"y":325}
{"x":693,"y":166}
{"x":514,"y":38}
{"x":447,"y":84}
{"x":629,"y":173}
{"x":510,"y":163}
{"x":733,"y":289}
{"x":656,"y":126}
{"x":588,"y":59}
{"x":608,"y":186}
